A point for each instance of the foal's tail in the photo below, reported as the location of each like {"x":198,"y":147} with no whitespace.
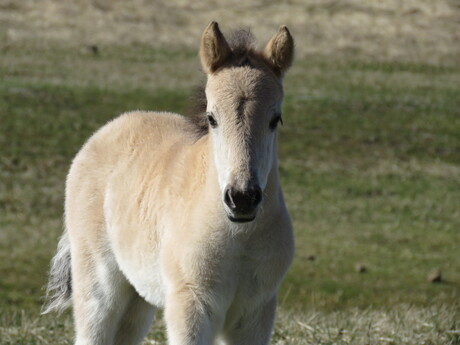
{"x":59,"y":290}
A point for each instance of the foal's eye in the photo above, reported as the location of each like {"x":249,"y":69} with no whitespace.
{"x":274,"y":122}
{"x":212,"y":121}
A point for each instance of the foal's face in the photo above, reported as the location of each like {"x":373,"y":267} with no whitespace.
{"x":244,"y":110}
{"x":244,"y":95}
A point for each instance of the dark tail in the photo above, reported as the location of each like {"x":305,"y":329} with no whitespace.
{"x":59,"y":290}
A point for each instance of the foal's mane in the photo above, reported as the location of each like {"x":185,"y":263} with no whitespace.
{"x":241,"y":43}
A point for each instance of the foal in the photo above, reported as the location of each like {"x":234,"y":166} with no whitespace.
{"x":162,"y":211}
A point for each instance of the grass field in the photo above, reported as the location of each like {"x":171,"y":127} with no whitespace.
{"x":369,"y":159}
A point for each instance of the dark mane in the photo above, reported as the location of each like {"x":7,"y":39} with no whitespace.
{"x":241,"y":43}
{"x":197,"y":113}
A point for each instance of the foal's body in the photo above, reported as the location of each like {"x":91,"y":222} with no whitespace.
{"x":161,"y":239}
{"x":146,"y":228}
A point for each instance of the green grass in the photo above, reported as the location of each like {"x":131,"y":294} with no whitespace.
{"x":370,"y":164}
{"x":371,"y":169}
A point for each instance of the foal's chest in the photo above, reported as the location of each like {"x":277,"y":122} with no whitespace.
{"x":261,"y":267}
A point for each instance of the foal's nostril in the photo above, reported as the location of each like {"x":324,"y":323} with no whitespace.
{"x":242,"y":201}
{"x":228,"y":198}
{"x":256,"y":196}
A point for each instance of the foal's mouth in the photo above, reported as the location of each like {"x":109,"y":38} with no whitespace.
{"x":241,"y":219}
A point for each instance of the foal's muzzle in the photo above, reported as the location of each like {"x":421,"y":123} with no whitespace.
{"x":242,"y":204}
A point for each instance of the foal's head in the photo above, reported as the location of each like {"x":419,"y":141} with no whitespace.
{"x":244,"y":93}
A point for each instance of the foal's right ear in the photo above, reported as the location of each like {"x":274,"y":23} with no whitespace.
{"x":279,"y":52}
{"x":214,"y":49}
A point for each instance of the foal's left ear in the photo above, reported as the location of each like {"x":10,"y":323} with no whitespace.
{"x":279,"y":51}
{"x":214,"y":49}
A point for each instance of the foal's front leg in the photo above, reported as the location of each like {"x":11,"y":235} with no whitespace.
{"x":190,"y":319}
{"x":252,"y":328}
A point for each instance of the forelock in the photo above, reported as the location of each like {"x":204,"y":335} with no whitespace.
{"x":241,"y":42}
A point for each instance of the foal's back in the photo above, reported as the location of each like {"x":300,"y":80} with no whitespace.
{"x":130,"y":155}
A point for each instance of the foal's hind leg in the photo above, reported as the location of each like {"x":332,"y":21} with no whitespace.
{"x":103,"y":299}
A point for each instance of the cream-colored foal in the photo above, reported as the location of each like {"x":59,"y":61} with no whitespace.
{"x":164,"y":211}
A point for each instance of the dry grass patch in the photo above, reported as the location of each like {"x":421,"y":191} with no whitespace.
{"x":402,"y":326}
{"x":410,"y":30}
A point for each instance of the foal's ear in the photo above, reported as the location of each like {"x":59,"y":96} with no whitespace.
{"x":214,"y":49}
{"x":279,"y":51}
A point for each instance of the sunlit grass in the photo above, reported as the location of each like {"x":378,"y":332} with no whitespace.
{"x":402,"y":325}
